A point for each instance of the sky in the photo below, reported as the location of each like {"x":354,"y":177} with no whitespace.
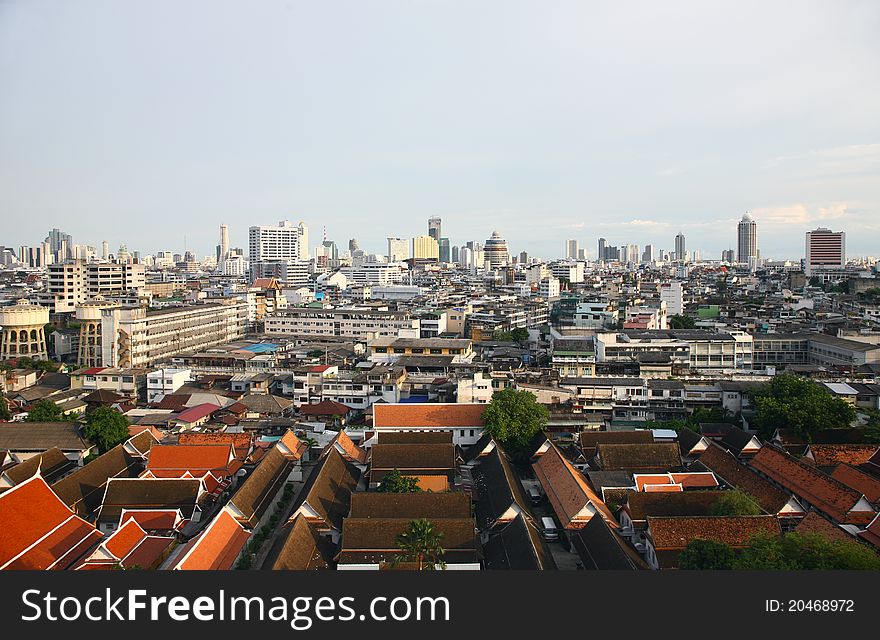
{"x":151,"y":123}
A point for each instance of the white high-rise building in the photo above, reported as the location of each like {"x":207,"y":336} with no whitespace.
{"x":747,"y":239}
{"x":671,"y":294}
{"x":224,"y":242}
{"x":271,"y":246}
{"x":571,"y":249}
{"x":398,"y":249}
{"x":825,"y":248}
{"x":680,"y":248}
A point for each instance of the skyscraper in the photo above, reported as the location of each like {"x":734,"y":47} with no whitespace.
{"x":434,"y":228}
{"x":425,"y":248}
{"x":602,"y":255}
{"x":270,"y":246}
{"x":224,"y":243}
{"x":495,"y":251}
{"x":680,"y":248}
{"x":648,"y":253}
{"x":398,"y":249}
{"x":747,"y":239}
{"x":443,"y":247}
{"x":571,"y":249}
{"x":825,"y":248}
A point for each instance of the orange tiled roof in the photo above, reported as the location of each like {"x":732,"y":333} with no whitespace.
{"x":826,"y":455}
{"x":674,"y":532}
{"x":428,"y":415}
{"x":154,"y":519}
{"x":350,"y":450}
{"x":39,"y":531}
{"x":240,"y":441}
{"x":217,"y":547}
{"x":867,"y":485}
{"x":567,"y":490}
{"x":294,"y":446}
{"x":195,"y":458}
{"x":828,"y":495}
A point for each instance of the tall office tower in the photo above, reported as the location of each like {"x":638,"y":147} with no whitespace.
{"x":680,"y":248}
{"x":353,"y":246}
{"x":398,"y":249}
{"x":224,"y":243}
{"x":523,"y":257}
{"x":105,"y":250}
{"x":60,"y":245}
{"x":582,"y":254}
{"x":454,"y":254}
{"x":727,"y":256}
{"x":330,"y":250}
{"x":571,"y":249}
{"x":632,"y":253}
{"x":648,"y":253}
{"x":697,"y":256}
{"x":495,"y":251}
{"x":602,"y":250}
{"x":747,"y":239}
{"x":444,"y":250}
{"x":425,"y":248}
{"x":434,"y":228}
{"x":465,"y":256}
{"x":825,"y":248}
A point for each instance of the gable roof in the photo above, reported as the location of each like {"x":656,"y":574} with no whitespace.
{"x":867,"y":485}
{"x":83,"y":489}
{"x":324,"y":408}
{"x":732,"y":472}
{"x":350,"y":451}
{"x":328,"y":489}
{"x":374,"y":504}
{"x":826,"y":494}
{"x":827,"y":455}
{"x":571,"y":497}
{"x":415,"y":437}
{"x":412,"y":456}
{"x":39,"y":531}
{"x":193,"y":414}
{"x":217,"y":547}
{"x":589,"y":440}
{"x":518,"y":546}
{"x":255,"y":495}
{"x":41,"y":436}
{"x":498,"y":489}
{"x":130,"y":546}
{"x":642,"y":504}
{"x":265,"y":403}
{"x":661,"y":456}
{"x":149,"y":493}
{"x":374,"y":540}
{"x":51,"y":465}
{"x":300,"y":548}
{"x":444,"y":415}
{"x":172,"y":460}
{"x":241,"y":442}
{"x":600,"y":548}
{"x":672,"y":534}
{"x":815,"y":523}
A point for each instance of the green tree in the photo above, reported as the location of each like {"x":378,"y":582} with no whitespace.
{"x":807,"y":551}
{"x":681,"y":322}
{"x":735,"y":503}
{"x":46,"y":411}
{"x":395,"y":482}
{"x":5,"y":413}
{"x":514,"y":417}
{"x":519,"y":335}
{"x":421,"y":544}
{"x":790,"y":402}
{"x":106,"y":427}
{"x":706,"y":554}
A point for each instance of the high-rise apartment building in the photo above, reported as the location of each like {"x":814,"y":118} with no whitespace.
{"x":824,"y":248}
{"x":270,"y":246}
{"x":571,"y":249}
{"x":495,"y":251}
{"x":680,"y":248}
{"x":398,"y":249}
{"x":602,"y":255}
{"x":425,"y":248}
{"x":444,"y":250}
{"x":434,"y":228}
{"x":75,"y":281}
{"x":747,"y":240}
{"x":224,"y":243}
{"x":648,"y":253}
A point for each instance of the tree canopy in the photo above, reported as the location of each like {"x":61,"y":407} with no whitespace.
{"x":395,"y":482}
{"x":421,"y":544}
{"x":106,"y":427}
{"x":735,"y":503}
{"x":791,"y":402}
{"x":514,"y":417}
{"x":790,"y":552}
{"x":681,"y":322}
{"x":46,"y":411}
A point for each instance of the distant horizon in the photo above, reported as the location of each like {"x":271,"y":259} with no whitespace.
{"x":144,"y":123}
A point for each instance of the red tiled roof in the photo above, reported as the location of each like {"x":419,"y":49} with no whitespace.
{"x":324,"y":408}
{"x":826,"y":455}
{"x":828,"y":495}
{"x":125,"y":539}
{"x":350,"y":451}
{"x":154,"y":519}
{"x":814,"y":523}
{"x":39,"y":531}
{"x":675,"y":532}
{"x":197,"y":412}
{"x":319,"y":368}
{"x":453,"y":415}
{"x":867,"y":485}
{"x":198,"y":459}
{"x":872,"y":532}
{"x":217,"y":547}
{"x":241,"y":442}
{"x":686,"y":480}
{"x":293,"y":447}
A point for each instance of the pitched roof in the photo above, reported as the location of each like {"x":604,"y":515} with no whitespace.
{"x":642,"y":504}
{"x":686,"y":480}
{"x":826,"y":494}
{"x":498,"y":490}
{"x":291,"y":446}
{"x":130,"y":546}
{"x":374,"y":504}
{"x":240,"y":441}
{"x":350,"y":451}
{"x":149,"y":493}
{"x":600,"y":548}
{"x":827,"y":455}
{"x":265,"y":403}
{"x":571,"y":497}
{"x":518,"y":546}
{"x":40,"y":436}
{"x":197,"y":412}
{"x":255,"y":495}
{"x":867,"y":485}
{"x":172,"y":460}
{"x":217,"y":547}
{"x":51,"y":464}
{"x":83,"y":489}
{"x":374,"y":540}
{"x":662,"y":456}
{"x":329,"y":487}
{"x":815,"y":523}
{"x":416,"y":437}
{"x":39,"y":531}
{"x":672,"y":534}
{"x":412,"y":456}
{"x":446,"y":415}
{"x":154,"y":519}
{"x":324,"y":408}
{"x":588,"y":440}
{"x":300,"y":548}
{"x":726,"y":467}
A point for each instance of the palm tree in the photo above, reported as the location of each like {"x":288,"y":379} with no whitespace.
{"x":420,"y":543}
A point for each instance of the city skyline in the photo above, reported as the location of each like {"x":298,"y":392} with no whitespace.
{"x":129,"y":148}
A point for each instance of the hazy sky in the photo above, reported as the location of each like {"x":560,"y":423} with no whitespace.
{"x":144,"y":122}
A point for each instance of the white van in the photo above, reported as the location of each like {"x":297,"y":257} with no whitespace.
{"x":550,"y":532}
